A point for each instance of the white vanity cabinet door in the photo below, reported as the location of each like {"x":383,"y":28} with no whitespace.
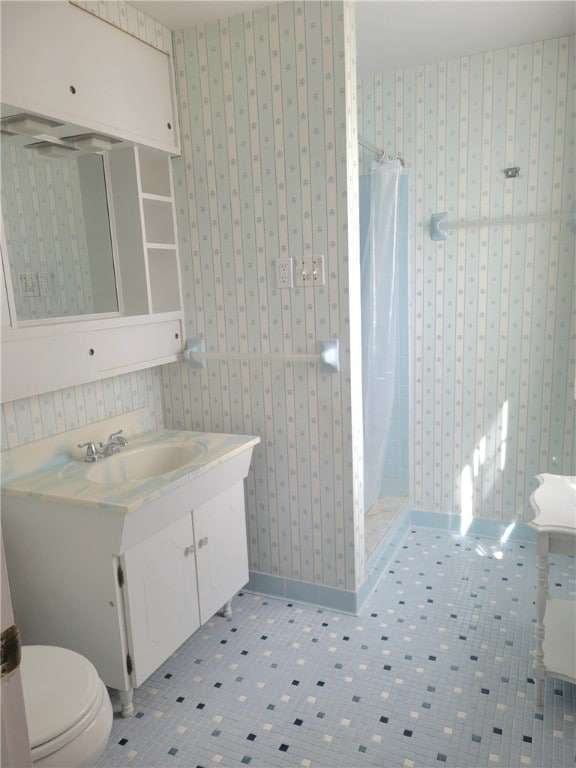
{"x":160,"y":596}
{"x":221,"y":549}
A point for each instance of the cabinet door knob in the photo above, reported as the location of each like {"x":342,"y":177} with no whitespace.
{"x":203,"y":541}
{"x":189,"y":550}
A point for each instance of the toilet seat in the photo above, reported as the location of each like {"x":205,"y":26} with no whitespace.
{"x":63,"y":697}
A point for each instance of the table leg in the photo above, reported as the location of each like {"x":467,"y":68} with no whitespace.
{"x":542,"y":568}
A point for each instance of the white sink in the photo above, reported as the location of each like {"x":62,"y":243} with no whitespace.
{"x":143,"y":463}
{"x":155,"y":464}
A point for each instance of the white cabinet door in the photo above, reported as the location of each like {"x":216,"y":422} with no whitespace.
{"x":161,"y":598}
{"x":221,"y":549}
{"x":62,"y":62}
{"x":49,"y":357}
{"x":42,"y":362}
{"x":120,"y":350}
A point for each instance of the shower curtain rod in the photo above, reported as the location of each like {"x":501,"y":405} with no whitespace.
{"x":377,"y":151}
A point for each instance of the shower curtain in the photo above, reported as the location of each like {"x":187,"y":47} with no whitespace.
{"x":385,"y":245}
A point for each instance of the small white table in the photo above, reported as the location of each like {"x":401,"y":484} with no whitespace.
{"x":554,"y":503}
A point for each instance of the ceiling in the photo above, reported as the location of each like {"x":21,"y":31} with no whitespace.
{"x":403,"y":33}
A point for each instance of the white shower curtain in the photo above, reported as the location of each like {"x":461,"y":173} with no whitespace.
{"x":380,"y":305}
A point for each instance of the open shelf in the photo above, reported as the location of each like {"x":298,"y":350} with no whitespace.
{"x":164,"y":279}
{"x":144,"y":212}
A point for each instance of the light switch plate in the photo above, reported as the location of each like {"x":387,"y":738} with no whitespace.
{"x":44,"y":283}
{"x":310,"y":271}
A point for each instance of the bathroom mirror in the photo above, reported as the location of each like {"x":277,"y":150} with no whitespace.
{"x":57,"y":235}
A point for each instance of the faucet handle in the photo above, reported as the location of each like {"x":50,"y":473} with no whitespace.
{"x":91,"y":451}
{"x":115,"y":438}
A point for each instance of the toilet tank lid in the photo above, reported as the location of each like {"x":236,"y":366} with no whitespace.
{"x":59,"y":688}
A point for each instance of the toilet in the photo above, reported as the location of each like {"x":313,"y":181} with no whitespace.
{"x":68,"y":708}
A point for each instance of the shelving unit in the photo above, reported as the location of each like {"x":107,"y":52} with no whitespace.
{"x":149,"y":330}
{"x":146,"y":230}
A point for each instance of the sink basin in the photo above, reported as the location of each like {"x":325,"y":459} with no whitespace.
{"x":143,"y":463}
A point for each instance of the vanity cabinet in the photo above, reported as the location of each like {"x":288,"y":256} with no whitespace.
{"x":59,"y":60}
{"x":179,"y":578}
{"x":221,"y":565}
{"x":160,"y":589}
{"x":127,"y":590}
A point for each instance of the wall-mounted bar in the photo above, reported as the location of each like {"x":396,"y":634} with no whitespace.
{"x":380,"y":153}
{"x":328,"y":355}
{"x":439,"y":229}
{"x":371,"y":148}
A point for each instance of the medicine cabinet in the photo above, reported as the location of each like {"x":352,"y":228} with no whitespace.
{"x":89,"y":125}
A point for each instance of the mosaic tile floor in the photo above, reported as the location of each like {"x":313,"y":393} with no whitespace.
{"x":435,"y":671}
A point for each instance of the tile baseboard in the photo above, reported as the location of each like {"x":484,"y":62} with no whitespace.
{"x":347,"y":601}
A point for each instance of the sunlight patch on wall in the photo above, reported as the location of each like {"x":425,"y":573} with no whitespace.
{"x":471,"y":474}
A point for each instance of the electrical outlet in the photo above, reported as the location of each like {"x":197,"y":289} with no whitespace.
{"x":285,"y":273}
{"x":29,"y":286}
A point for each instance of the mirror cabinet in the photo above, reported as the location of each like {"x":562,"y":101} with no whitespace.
{"x":91,"y":278}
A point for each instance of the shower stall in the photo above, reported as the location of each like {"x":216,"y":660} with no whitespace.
{"x":385,"y":334}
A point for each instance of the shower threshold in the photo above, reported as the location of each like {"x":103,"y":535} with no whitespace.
{"x":379,"y":519}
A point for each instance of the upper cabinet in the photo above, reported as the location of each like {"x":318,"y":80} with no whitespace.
{"x":64,"y":63}
{"x":91,"y":278}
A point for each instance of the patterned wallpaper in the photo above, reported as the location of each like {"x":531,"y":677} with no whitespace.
{"x":46,"y":192}
{"x":492,"y":360}
{"x":125,"y":16}
{"x":265,"y":171}
{"x":33,"y":418}
{"x":264,"y":174}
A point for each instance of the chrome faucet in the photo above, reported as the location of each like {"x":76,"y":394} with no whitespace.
{"x":113,"y":445}
{"x":91,"y":451}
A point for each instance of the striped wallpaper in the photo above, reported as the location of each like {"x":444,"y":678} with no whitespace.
{"x":269,"y":169}
{"x":493,"y":312}
{"x":33,"y":418}
{"x":125,"y":16}
{"x":264,"y":174}
{"x":47,"y":192}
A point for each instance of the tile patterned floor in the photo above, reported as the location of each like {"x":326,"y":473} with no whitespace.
{"x":436,"y":671}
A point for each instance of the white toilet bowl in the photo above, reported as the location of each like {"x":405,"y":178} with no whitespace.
{"x":68,"y":709}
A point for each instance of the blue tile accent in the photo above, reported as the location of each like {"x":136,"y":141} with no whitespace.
{"x":479,"y":526}
{"x":266,"y":584}
{"x":303,"y":592}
